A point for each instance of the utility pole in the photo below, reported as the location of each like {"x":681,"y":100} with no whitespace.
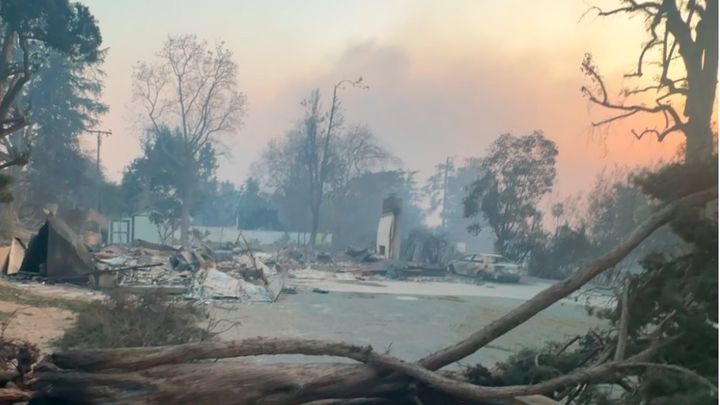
{"x":99,"y":133}
{"x":443,"y":213}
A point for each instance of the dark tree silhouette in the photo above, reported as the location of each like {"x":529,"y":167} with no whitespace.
{"x":516,"y":173}
{"x":681,"y":56}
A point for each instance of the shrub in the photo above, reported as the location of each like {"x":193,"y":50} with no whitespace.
{"x":126,"y":320}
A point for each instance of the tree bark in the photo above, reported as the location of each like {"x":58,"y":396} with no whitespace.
{"x":227,"y":382}
{"x":315,"y":218}
{"x":186,"y":194}
{"x":701,"y":64}
{"x":139,"y":358}
{"x":108,"y":377}
{"x":699,"y":142}
{"x":185,"y":217}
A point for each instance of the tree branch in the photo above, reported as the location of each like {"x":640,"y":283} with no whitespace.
{"x":634,"y":6}
{"x":19,"y":161}
{"x":14,"y":90}
{"x":649,"y":45}
{"x":659,"y":134}
{"x":16,"y":124}
{"x":681,"y":31}
{"x":657,"y":87}
{"x":564,"y":288}
{"x":145,"y":358}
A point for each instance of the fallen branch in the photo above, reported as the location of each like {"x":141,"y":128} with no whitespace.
{"x":461,"y":389}
{"x":140,"y":358}
{"x":145,"y":368}
{"x":149,"y":360}
{"x":564,"y":288}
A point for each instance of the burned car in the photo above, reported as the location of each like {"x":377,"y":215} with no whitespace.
{"x":486,"y":266}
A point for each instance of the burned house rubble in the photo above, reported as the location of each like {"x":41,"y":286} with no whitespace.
{"x":209,"y":270}
{"x":206,"y":270}
{"x":56,"y":254}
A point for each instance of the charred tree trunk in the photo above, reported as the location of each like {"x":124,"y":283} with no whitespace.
{"x":229,"y":382}
{"x":185,"y":217}
{"x":691,"y":29}
{"x":701,"y":61}
{"x":315,"y":220}
{"x":186,"y":194}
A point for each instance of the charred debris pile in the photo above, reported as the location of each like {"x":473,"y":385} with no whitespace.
{"x":202,"y":271}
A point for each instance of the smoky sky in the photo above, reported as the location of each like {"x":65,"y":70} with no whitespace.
{"x":445,"y":78}
{"x":456,"y":107}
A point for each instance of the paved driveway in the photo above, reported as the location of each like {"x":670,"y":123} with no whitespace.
{"x":409,"y":325}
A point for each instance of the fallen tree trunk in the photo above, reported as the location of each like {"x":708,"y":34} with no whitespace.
{"x":139,"y":367}
{"x":140,"y":358}
{"x":153,"y":375}
{"x":125,"y":375}
{"x":228,"y":382}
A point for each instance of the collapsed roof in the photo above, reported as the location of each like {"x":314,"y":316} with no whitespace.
{"x":57,"y":252}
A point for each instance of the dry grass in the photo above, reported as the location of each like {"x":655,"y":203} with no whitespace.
{"x":21,"y":296}
{"x":126,"y":320}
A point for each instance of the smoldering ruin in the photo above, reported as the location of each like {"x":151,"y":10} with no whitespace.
{"x":340,"y":266}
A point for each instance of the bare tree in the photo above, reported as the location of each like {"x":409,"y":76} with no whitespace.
{"x":193,"y":88}
{"x":358,"y":152}
{"x":304,"y":175}
{"x":683,"y":43}
{"x":317,"y":152}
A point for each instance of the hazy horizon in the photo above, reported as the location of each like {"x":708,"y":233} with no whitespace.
{"x":445,"y":79}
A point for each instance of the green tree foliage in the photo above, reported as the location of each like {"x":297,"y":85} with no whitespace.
{"x":561,"y":254}
{"x":247,"y":207}
{"x":65,"y":99}
{"x":672,"y":304}
{"x":66,"y":27}
{"x":517,"y":173}
{"x":155,"y":181}
{"x":219,"y":204}
{"x":553,"y":359}
{"x":680,"y":285}
{"x":614,"y":207}
{"x":125,"y":320}
{"x":280,"y":170}
{"x":30,"y":33}
{"x":254,"y":208}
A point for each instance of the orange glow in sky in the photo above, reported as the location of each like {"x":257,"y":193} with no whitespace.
{"x":445,"y":77}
